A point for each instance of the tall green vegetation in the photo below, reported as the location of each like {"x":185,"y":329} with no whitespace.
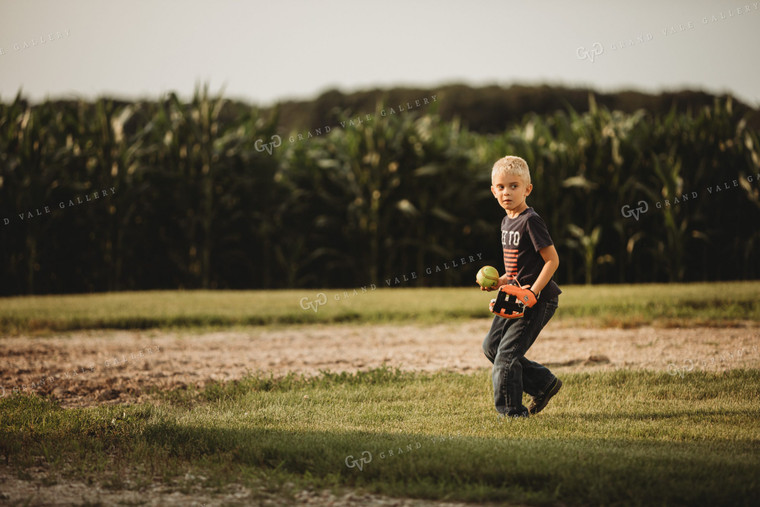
{"x":199,"y":201}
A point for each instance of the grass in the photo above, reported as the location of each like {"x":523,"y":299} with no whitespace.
{"x":618,"y":437}
{"x":697,"y":304}
{"x":623,"y":437}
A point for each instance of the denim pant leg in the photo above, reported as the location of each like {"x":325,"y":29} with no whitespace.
{"x":534,"y":377}
{"x":492,"y":339}
{"x":505,"y":345}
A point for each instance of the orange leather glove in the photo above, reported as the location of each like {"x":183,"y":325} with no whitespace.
{"x":511,"y":301}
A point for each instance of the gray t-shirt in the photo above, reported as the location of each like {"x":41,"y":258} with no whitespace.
{"x":522,"y":237}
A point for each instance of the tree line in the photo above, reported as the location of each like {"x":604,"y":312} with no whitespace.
{"x":209,"y":193}
{"x":491,"y":109}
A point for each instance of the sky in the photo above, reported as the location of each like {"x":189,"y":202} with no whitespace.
{"x":263,"y":52}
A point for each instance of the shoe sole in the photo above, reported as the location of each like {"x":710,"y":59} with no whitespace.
{"x":554,"y":390}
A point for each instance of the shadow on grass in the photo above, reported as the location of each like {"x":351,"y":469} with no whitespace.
{"x":469,"y":468}
{"x":538,"y":460}
{"x":692,"y":416}
{"x":17,"y":325}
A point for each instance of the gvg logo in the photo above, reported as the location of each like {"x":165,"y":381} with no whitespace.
{"x":359,"y":463}
{"x":627,"y":212}
{"x":590,"y":54}
{"x":275,"y":142}
{"x":722,"y":360}
{"x":314,"y":305}
{"x":674,"y":369}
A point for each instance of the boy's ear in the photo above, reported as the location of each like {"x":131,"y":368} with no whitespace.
{"x":528,"y":189}
{"x":493,"y":191}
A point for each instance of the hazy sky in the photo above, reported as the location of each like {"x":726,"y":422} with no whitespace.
{"x":295,"y":49}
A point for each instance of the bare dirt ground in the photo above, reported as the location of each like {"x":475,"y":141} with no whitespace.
{"x":94,"y":367}
{"x":97,"y":367}
{"x":39,"y":489}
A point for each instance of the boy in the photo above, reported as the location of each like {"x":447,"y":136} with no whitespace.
{"x":530,"y":260}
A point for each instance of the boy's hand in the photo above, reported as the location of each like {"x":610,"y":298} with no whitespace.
{"x":503,"y":280}
{"x":532,"y":297}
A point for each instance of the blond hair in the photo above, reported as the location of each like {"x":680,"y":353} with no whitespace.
{"x":512,"y":165}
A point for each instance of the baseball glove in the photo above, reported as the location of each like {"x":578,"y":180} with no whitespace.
{"x":511,"y":301}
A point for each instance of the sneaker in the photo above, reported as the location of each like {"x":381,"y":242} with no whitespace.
{"x":540,"y":402}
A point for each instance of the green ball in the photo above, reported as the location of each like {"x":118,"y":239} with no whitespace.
{"x":487,"y":276}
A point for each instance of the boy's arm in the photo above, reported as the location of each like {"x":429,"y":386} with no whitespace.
{"x":551,"y":263}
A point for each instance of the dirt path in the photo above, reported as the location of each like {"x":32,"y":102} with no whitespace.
{"x":93,"y":367}
{"x":40,"y":489}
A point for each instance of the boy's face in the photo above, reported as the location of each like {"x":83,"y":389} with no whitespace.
{"x":510,"y":190}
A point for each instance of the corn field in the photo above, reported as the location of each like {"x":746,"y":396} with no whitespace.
{"x":108,"y":196}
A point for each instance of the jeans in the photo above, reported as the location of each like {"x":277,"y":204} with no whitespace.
{"x":505,"y":346}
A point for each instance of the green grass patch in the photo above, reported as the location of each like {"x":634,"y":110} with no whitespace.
{"x":623,"y":437}
{"x":719,"y":304}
